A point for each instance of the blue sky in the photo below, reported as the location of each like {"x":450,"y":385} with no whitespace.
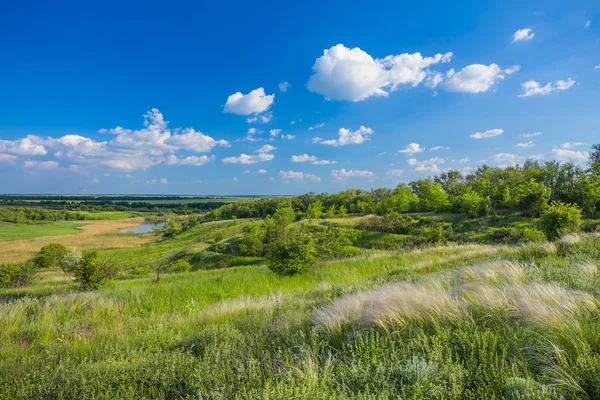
{"x":281,"y":98}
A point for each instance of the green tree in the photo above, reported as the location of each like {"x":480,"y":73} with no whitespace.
{"x":432,"y":196}
{"x":172,"y":228}
{"x":70,"y":261}
{"x":315,"y":210}
{"x":330,"y":212}
{"x":92,"y":273}
{"x":342,"y":211}
{"x":292,"y":253}
{"x":533,"y":198}
{"x":50,"y":255}
{"x":560,"y":218}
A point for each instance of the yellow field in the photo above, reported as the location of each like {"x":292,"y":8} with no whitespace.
{"x":93,"y":235}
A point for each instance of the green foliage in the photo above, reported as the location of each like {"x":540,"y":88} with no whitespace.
{"x":390,"y":223}
{"x":335,"y":242}
{"x":69,"y":262}
{"x":510,"y":235}
{"x":473,"y":204}
{"x":292,"y":253}
{"x":560,"y":218}
{"x":533,"y":198}
{"x":17,"y":275}
{"x":172,"y":228}
{"x":342,"y":212}
{"x":180,"y":266}
{"x":432,"y":196}
{"x":50,"y":255}
{"x":92,"y":273}
{"x":315,"y":210}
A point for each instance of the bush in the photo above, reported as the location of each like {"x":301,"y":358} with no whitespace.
{"x":292,"y":253}
{"x":172,"y":228}
{"x":50,"y":255}
{"x":91,"y":273}
{"x":510,"y":235}
{"x":336,"y":242}
{"x":16,"y":275}
{"x":180,"y":266}
{"x":560,"y":218}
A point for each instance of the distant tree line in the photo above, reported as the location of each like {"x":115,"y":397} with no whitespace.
{"x":528,"y":188}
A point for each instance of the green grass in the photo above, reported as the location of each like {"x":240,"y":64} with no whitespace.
{"x":457,"y":322}
{"x":10,"y":232}
{"x":110,"y":215}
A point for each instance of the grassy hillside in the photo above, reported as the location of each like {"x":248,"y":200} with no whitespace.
{"x":461,"y":321}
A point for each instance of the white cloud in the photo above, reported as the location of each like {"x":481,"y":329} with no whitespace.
{"x":343,"y":73}
{"x":303,"y":158}
{"x":597,"y":66}
{"x":523,"y":34}
{"x":430,"y":165}
{"x":261,"y":171}
{"x":411,"y":149}
{"x":396,"y":172}
{"x":477,"y":78}
{"x":570,"y":155}
{"x":196,"y":160}
{"x":192,"y":140}
{"x":284,"y":86}
{"x":569,"y":145}
{"x":324,"y":162}
{"x":267,"y":148}
{"x":255,"y":102}
{"x":95,"y":180}
{"x":248,"y":159}
{"x":463,"y":161}
{"x":43,"y":165}
{"x":347,"y":137}
{"x":30,"y":145}
{"x":588,"y":23}
{"x":528,"y":135}
{"x":487,"y":134}
{"x":436,"y":148}
{"x":505,"y":158}
{"x":288,"y":137}
{"x":318,"y":126}
{"x":274,"y":132}
{"x":7,"y":158}
{"x":298,"y":175}
{"x":533,"y":88}
{"x":525,"y":144}
{"x":342,"y":174}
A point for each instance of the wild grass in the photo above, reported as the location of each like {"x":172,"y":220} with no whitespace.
{"x":455,"y":322}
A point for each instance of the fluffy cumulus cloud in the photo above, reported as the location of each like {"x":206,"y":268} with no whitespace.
{"x":255,"y":102}
{"x":430,"y":165}
{"x":275,"y":132}
{"x":523,"y":34}
{"x":487,"y":134}
{"x":267,"y":148}
{"x":533,"y":88}
{"x":248,"y":159}
{"x":126,"y":149}
{"x":41,"y":165}
{"x":346,"y":136}
{"x":312,"y":159}
{"x":570,"y":155}
{"x":343,"y":174}
{"x":190,"y":160}
{"x":30,"y":145}
{"x":525,"y":144}
{"x":505,"y":159}
{"x":411,"y":148}
{"x":298,"y":175}
{"x":303,"y":158}
{"x":351,"y":74}
{"x":476,"y":78}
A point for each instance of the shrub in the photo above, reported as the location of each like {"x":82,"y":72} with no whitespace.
{"x":180,"y":266}
{"x":16,"y":275}
{"x":292,"y":253}
{"x":335,"y":242}
{"x":91,"y":273}
{"x":70,"y":261}
{"x":560,"y":218}
{"x":172,"y":228}
{"x":508,"y":235}
{"x":50,"y":255}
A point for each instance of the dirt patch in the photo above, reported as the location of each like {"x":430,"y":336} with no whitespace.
{"x":93,"y":235}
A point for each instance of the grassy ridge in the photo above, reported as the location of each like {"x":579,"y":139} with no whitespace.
{"x":244,"y":332}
